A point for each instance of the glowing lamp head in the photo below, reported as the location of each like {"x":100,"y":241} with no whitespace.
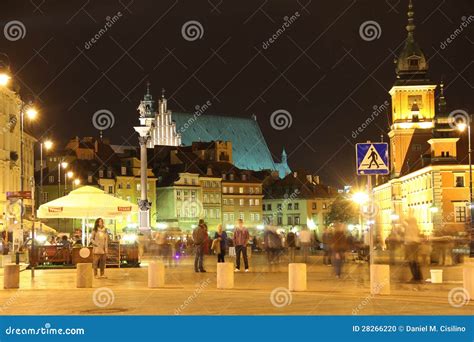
{"x":360,"y":197}
{"x":4,"y":79}
{"x":77,"y":181}
{"x":48,"y":144}
{"x":64,"y":165}
{"x":461,"y":126}
{"x":31,"y":113}
{"x":70,"y":174}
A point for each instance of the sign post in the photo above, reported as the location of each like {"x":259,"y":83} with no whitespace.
{"x":372,"y":159}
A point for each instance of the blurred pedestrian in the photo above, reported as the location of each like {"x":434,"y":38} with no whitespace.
{"x":100,"y":243}
{"x":327,"y":241}
{"x":339,"y":247}
{"x":305,"y":243}
{"x":199,"y":238}
{"x":291,"y":244}
{"x":221,"y":237}
{"x":412,"y":245}
{"x":241,"y":239}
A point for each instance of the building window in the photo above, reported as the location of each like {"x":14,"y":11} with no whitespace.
{"x":297,"y":206}
{"x":224,"y":189}
{"x":101,"y":173}
{"x":297,"y":220}
{"x":241,"y":215}
{"x":193,"y":181}
{"x":241,"y":190}
{"x":460,"y":213}
{"x":178,"y":194}
{"x":290,"y":206}
{"x":251,"y":217}
{"x":459,"y":181}
{"x":139,"y":186}
{"x":257,"y":217}
{"x":279,"y":220}
{"x":290,"y":222}
{"x":193,"y":196}
{"x":109,"y":174}
{"x":45,"y":197}
{"x":251,"y":190}
{"x":257,"y":201}
{"x":416,"y":147}
{"x":241,"y":201}
{"x":129,"y":186}
{"x":251,"y":201}
{"x":223,"y":176}
{"x":231,"y":201}
{"x":123,"y":171}
{"x":231,"y":189}
{"x":244,"y":177}
{"x":89,"y":179}
{"x":231,"y":217}
{"x":231,"y":176}
{"x":263,"y":207}
{"x":51,"y":179}
{"x":205,"y":198}
{"x":119,"y":185}
{"x":226,"y":217}
{"x":269,"y":207}
{"x":224,"y":201}
{"x":324,"y":205}
{"x":111,"y":189}
{"x":279,"y":206}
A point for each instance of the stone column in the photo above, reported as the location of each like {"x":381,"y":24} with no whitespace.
{"x":156,"y":274}
{"x":225,"y":275}
{"x":144,"y":205}
{"x":297,"y":277}
{"x":11,"y":276}
{"x":84,"y":275}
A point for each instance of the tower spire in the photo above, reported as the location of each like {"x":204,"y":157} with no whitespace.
{"x":442,"y":100}
{"x":411,"y":21}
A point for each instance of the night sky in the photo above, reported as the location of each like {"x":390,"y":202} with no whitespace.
{"x":320,"y":70}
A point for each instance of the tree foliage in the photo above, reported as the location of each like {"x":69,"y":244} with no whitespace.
{"x":342,"y":209}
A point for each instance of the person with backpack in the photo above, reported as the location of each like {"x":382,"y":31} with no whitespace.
{"x":199,"y":238}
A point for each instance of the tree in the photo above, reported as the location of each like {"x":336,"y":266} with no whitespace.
{"x":342,"y":209}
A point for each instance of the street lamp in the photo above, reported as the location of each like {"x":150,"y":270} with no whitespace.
{"x":4,"y":79}
{"x":360,"y":198}
{"x":77,"y":182}
{"x":63,"y":165}
{"x":47,"y":144}
{"x":462,"y":127}
{"x":70,"y":174}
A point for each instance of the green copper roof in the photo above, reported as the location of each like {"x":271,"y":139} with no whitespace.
{"x":249,"y":149}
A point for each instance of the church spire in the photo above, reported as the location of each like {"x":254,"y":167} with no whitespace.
{"x":163,"y":103}
{"x":411,"y":63}
{"x":442,"y":100}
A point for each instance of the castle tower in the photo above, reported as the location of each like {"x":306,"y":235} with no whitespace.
{"x":413,"y":105}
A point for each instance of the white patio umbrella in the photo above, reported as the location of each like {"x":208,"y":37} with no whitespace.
{"x":85,"y":203}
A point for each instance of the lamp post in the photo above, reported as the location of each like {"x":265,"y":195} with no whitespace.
{"x":47,"y":145}
{"x":143,"y":204}
{"x":63,"y":165}
{"x":69,"y":174}
{"x":462,"y":127}
{"x":360,"y":198}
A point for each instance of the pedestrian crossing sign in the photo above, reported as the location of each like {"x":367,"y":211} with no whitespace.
{"x":372,"y":159}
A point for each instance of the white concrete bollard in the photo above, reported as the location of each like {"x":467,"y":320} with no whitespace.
{"x":297,"y":277}
{"x":84,"y":275}
{"x":5,"y":259}
{"x":156,"y":274}
{"x":225,"y":275}
{"x":468,"y":279}
{"x":380,"y":279}
{"x":11,"y":276}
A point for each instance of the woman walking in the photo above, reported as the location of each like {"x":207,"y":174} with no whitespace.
{"x":221,"y":237}
{"x":100,"y":241}
{"x":339,"y":248}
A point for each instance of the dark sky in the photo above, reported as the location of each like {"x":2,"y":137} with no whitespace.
{"x":320,"y":69}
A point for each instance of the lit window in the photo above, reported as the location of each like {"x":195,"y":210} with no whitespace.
{"x":241,"y":190}
{"x":257,"y":202}
{"x":459,"y":181}
{"x":460,"y":213}
{"x":241,"y":201}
